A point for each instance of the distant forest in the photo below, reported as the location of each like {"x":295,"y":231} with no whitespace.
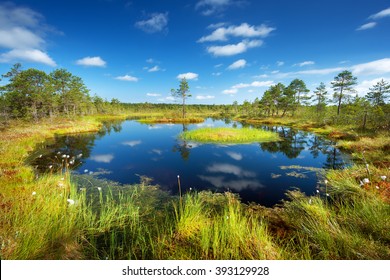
{"x":33,"y":94}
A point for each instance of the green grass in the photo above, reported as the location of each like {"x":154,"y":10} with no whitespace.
{"x":110,"y":221}
{"x":229,"y":135}
{"x":161,"y":120}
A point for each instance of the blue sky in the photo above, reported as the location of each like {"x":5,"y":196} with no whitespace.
{"x":137,"y":50}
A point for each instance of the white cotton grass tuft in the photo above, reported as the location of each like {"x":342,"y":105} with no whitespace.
{"x":383,"y":177}
{"x":366,"y":181}
{"x":70,"y":201}
{"x":33,"y":193}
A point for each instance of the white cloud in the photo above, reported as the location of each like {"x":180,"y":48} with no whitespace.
{"x":244,"y":30}
{"x":156,"y":23}
{"x":366,"y":26}
{"x":31,"y":55}
{"x":22,"y":32}
{"x":279,"y":63}
{"x":230,"y":91}
{"x":216,"y":25}
{"x":216,"y":73}
{"x":19,"y":38}
{"x":188,"y":76}
{"x":234,"y":155}
{"x":304,"y":63}
{"x":381,"y":14}
{"x":241,"y":63}
{"x":376,"y":67}
{"x":132,"y":143}
{"x":204,"y":97}
{"x":233,"y":49}
{"x":105,"y":158}
{"x":150,"y":60}
{"x":153,"y":94}
{"x":154,"y":69}
{"x":253,"y":84}
{"x":210,"y":7}
{"x":363,"y":87}
{"x":324,"y":71}
{"x":96,"y":61}
{"x":230,"y":169}
{"x":127,"y":78}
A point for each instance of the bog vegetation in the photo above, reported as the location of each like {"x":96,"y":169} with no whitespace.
{"x":63,"y":216}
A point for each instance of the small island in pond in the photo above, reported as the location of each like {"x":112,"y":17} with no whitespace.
{"x":227,"y":135}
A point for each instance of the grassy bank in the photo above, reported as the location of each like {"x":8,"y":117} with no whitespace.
{"x":229,"y":135}
{"x":63,"y":216}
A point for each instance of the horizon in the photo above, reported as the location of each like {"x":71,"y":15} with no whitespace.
{"x":228,"y":50}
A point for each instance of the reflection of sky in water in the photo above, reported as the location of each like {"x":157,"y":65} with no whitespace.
{"x":253,"y":170}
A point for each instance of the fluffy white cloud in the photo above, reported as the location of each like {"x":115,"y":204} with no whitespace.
{"x":279,"y":63}
{"x":210,"y":7}
{"x":204,"y":97}
{"x":127,"y":78}
{"x":324,"y":71}
{"x":243,"y":30}
{"x":96,"y":61}
{"x":230,"y":91}
{"x":366,"y":26}
{"x":363,"y":87}
{"x":132,"y":143}
{"x":304,"y":63}
{"x":31,"y":55}
{"x":253,"y":84}
{"x":22,"y":32}
{"x":153,"y":94}
{"x":241,"y":63}
{"x":157,"y":22}
{"x":376,"y":67}
{"x":154,"y":69}
{"x":381,"y":14}
{"x":234,"y":155}
{"x":188,"y":76}
{"x":233,"y":49}
{"x":104,"y":158}
{"x":20,"y":38}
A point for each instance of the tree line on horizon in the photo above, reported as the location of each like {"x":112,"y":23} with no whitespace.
{"x":341,"y":107}
{"x":33,"y":94}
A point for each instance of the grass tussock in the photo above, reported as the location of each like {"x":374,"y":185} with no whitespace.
{"x":229,"y":135}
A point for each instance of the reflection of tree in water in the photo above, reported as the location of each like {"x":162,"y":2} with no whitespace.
{"x":295,"y":141}
{"x":70,"y":149}
{"x":182,"y":146}
{"x":334,"y":158}
{"x":108,"y":126}
{"x":291,"y":146}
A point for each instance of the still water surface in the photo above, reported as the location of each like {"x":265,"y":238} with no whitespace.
{"x":258,"y":172}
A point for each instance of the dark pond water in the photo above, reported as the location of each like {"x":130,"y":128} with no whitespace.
{"x":258,"y":172}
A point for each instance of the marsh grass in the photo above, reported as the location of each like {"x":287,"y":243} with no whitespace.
{"x":216,"y":226}
{"x":350,"y":223}
{"x":64,"y":216}
{"x":229,"y":135}
{"x":175,"y":120}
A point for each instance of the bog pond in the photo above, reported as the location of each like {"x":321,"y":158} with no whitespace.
{"x":258,"y":172}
